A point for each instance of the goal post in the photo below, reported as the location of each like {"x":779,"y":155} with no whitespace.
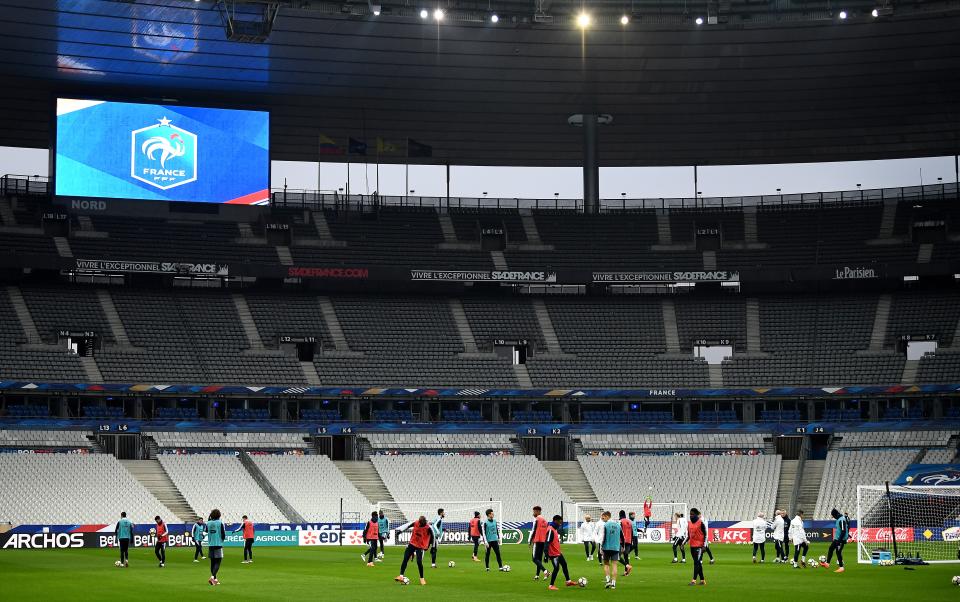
{"x":456,"y":522}
{"x":895,"y":521}
{"x":661,"y":517}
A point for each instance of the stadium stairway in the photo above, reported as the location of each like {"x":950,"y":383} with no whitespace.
{"x":152,"y":476}
{"x":366,"y":479}
{"x":278,"y":500}
{"x":788,"y":479}
{"x":570,"y":477}
{"x":810,"y":482}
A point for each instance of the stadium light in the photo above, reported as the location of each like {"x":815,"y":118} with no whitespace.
{"x":624,"y":20}
{"x":843,"y":15}
{"x":494,"y":18}
{"x":583,"y":20}
{"x":699,"y":21}
{"x":423,"y":13}
{"x":438,"y":14}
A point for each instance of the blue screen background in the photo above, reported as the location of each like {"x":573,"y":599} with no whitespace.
{"x":94,"y":144}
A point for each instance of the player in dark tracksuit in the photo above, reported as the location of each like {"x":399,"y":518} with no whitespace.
{"x":841,"y":533}
{"x":697,"y":538}
{"x":555,"y":554}
{"x":371,"y":536}
{"x":491,"y":537}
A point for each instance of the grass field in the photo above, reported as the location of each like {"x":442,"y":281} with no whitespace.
{"x":281,"y":573}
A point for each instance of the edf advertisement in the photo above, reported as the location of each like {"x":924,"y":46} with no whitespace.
{"x":162,"y":152}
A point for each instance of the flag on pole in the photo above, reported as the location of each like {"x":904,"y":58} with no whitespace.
{"x":356,"y":147}
{"x":386,"y":147}
{"x":328,"y":147}
{"x":417,"y":149}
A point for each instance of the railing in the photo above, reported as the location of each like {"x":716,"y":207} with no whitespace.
{"x":12,"y":184}
{"x":307,"y":199}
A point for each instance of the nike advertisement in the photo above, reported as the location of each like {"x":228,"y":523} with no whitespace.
{"x":153,"y":152}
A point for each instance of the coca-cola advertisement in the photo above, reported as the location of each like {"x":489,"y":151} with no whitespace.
{"x":880,"y":534}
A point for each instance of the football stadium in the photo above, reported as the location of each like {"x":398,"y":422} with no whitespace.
{"x":479,"y":299}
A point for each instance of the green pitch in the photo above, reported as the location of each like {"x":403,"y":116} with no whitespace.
{"x":338,"y":574}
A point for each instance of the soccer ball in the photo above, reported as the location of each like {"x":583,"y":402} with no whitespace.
{"x":118,"y":563}
{"x":153,"y":531}
{"x":451,"y":564}
{"x":506,"y":568}
{"x":822,"y":559}
{"x":582,"y":582}
{"x":909,"y":480}
{"x":956,"y":580}
{"x":406,"y":581}
{"x":812,"y":562}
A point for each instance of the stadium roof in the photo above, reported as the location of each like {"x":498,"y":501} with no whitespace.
{"x":791,"y":86}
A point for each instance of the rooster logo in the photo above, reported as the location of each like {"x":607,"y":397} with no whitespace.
{"x":163,"y":155}
{"x":169,"y":147}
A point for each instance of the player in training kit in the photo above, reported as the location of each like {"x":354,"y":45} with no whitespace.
{"x":759,"y":537}
{"x":371,"y":536}
{"x":598,"y":537}
{"x":706,"y":544}
{"x":437,"y":527}
{"x":555,"y":554}
{"x":491,"y":538}
{"x":124,"y":530}
{"x":215,"y":538}
{"x":841,"y":533}
{"x":610,"y":549}
{"x":647,"y":511}
{"x":588,"y":536}
{"x":697,"y":536}
{"x":163,"y":536}
{"x":798,"y":535}
{"x":679,"y":536}
{"x":538,"y":539}
{"x":637,"y":529}
{"x":475,"y":535}
{"x":248,"y":536}
{"x":383,"y":528}
{"x":626,"y":542}
{"x":420,"y":540}
{"x":778,"y":535}
{"x":197,"y":534}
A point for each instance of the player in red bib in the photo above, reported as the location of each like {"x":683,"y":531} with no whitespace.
{"x":555,"y":554}
{"x":248,"y":536}
{"x":626,"y":542}
{"x":697,"y":537}
{"x":419,"y":541}
{"x":371,"y":535}
{"x":163,"y":537}
{"x":475,"y":534}
{"x":538,"y":540}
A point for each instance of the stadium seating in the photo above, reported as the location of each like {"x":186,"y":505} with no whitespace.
{"x":440,"y":441}
{"x":412,"y":478}
{"x":32,"y":438}
{"x":25,"y":410}
{"x":228,"y":440}
{"x":901,"y":438}
{"x":847,"y":468}
{"x":643,"y":417}
{"x":532,"y":416}
{"x":717,"y":416}
{"x":106,"y":412}
{"x":69,"y":489}
{"x":312,"y":485}
{"x":462,"y":416}
{"x":321,"y":415}
{"x":727,"y":487}
{"x":210,"y":481}
{"x":670,"y":441}
{"x":177,"y":413}
{"x":939,"y":456}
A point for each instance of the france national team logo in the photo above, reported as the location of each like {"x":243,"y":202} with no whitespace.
{"x":163,"y":155}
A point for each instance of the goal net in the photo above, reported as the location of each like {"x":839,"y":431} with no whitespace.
{"x":661,"y":517}
{"x":456,"y":522}
{"x":908,"y":522}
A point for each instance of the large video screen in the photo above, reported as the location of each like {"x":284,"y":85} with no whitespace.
{"x":125,"y":150}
